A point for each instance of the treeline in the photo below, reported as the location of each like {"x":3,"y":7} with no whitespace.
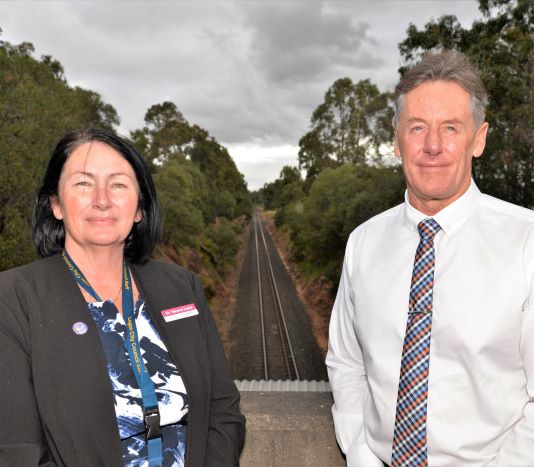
{"x":204,"y":199}
{"x":349,"y":179}
{"x":349,"y":176}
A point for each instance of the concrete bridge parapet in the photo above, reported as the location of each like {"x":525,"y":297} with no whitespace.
{"x":289,"y":424}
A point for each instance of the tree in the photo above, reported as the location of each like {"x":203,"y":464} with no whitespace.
{"x":348,"y":127}
{"x":229,"y":193}
{"x":166,"y":134}
{"x":285,"y":189}
{"x":169,"y":136}
{"x":37,"y":107}
{"x":182,"y":192}
{"x":196,"y":179}
{"x":502,"y":45}
{"x":221,"y":243}
{"x":339,"y":200}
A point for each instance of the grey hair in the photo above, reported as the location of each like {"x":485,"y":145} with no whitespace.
{"x":444,"y":65}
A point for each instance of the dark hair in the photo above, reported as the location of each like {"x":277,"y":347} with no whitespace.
{"x":445,"y":65}
{"x":49,"y":232}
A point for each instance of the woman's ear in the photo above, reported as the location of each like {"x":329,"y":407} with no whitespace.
{"x":138,"y":215}
{"x":56,"y":207}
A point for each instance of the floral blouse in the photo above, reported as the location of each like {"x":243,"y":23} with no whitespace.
{"x":170,"y":390}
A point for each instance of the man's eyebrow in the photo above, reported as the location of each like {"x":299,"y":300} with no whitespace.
{"x":416,"y":120}
{"x":456,"y":121}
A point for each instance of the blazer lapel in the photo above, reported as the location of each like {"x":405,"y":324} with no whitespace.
{"x":183,"y":337}
{"x":186,"y":342}
{"x":71,"y":380}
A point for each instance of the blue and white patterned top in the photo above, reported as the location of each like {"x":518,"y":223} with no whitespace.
{"x":170,"y":390}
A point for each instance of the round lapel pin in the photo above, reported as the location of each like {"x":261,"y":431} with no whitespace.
{"x":79,"y":328}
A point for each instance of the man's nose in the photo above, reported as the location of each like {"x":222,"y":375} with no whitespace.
{"x":433,"y":142}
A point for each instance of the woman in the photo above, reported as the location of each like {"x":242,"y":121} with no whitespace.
{"x":107,"y":358}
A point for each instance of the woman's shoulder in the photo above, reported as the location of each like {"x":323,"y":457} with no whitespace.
{"x":44,"y":267}
{"x":35,"y":282}
{"x":164,"y":267}
{"x":161,"y":279}
{"x":162,"y":270}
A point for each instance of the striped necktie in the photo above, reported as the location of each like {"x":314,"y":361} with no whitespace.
{"x":409,"y":439}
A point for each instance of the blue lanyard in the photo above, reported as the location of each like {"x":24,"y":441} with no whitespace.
{"x":131,"y":342}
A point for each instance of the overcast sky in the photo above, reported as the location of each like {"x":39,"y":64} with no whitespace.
{"x":249,"y":72}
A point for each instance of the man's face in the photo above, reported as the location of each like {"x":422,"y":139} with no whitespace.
{"x":436,"y":140}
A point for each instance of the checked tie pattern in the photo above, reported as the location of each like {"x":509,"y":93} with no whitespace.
{"x":409,"y":439}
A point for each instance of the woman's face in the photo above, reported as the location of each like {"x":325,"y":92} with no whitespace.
{"x":98,"y":197}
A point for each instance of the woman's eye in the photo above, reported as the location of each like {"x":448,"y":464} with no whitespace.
{"x":119,"y":185}
{"x":82,"y":183}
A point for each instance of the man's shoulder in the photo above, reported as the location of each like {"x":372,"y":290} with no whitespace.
{"x":507,"y":211}
{"x":379,"y":221}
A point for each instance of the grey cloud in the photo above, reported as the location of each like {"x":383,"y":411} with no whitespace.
{"x":298,"y":41}
{"x":248,"y":72}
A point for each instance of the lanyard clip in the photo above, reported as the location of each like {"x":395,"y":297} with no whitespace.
{"x":152,"y":427}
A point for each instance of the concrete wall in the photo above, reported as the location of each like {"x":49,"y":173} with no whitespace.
{"x":289,"y":429}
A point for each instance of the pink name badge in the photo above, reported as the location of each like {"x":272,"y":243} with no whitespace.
{"x":180,"y":312}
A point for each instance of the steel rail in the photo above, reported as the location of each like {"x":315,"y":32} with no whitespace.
{"x":280,"y":314}
{"x":262,"y":321}
{"x":283,"y":343}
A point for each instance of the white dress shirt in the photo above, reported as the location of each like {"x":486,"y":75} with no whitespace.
{"x":480,"y":408}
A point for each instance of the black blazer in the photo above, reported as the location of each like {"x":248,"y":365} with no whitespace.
{"x":56,"y":402}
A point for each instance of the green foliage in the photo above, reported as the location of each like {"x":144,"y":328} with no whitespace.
{"x":339,"y":200}
{"x":202,"y":196}
{"x":211,"y":184}
{"x":197,"y":181}
{"x":348,"y":127}
{"x":221,"y":242}
{"x":228,"y":188}
{"x":167,"y":134}
{"x":37,"y":107}
{"x":345,"y":181}
{"x":182,"y":191}
{"x":15,"y":245}
{"x":502,"y":45}
{"x":287,"y":188}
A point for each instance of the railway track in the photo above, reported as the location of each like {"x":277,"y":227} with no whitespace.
{"x":278,"y":354}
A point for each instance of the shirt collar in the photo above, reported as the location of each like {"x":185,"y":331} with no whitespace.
{"x":450,"y":217}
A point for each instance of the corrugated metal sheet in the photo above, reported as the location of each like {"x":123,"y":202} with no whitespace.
{"x":271,"y":385}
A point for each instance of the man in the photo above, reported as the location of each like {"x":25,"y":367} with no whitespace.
{"x":431,"y":350}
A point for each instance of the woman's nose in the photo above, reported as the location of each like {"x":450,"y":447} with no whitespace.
{"x":102,"y":199}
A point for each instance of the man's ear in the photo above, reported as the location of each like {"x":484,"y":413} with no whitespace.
{"x":396,"y":148}
{"x":480,"y":140}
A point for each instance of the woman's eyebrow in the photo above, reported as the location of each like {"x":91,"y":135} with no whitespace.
{"x":90,"y":174}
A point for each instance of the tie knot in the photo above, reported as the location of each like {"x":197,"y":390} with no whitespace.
{"x":427,"y":229}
